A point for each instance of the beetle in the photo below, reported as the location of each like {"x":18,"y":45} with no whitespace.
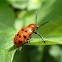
{"x":24,"y":35}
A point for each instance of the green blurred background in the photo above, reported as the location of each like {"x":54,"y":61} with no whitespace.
{"x":14,"y":14}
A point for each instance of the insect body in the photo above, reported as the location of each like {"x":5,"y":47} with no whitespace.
{"x":25,"y":33}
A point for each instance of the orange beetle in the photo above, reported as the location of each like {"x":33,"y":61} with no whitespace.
{"x":25,"y":33}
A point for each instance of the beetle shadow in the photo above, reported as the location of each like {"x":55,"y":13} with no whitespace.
{"x":13,"y":48}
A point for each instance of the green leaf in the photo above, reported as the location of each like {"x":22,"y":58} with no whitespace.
{"x":48,"y":40}
{"x":7,"y":33}
{"x":42,"y":43}
{"x":7,"y":24}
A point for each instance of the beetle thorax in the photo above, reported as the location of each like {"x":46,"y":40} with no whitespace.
{"x":33,"y":26}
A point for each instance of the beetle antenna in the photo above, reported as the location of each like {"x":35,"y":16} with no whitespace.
{"x":36,"y":17}
{"x":45,"y":23}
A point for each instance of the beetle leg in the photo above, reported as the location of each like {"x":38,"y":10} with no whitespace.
{"x":20,"y":49}
{"x":27,"y":41}
{"x":40,"y":36}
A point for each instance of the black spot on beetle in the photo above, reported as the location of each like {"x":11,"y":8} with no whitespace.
{"x":22,"y":29}
{"x":20,"y":41}
{"x":29,"y":34}
{"x":26,"y":31}
{"x":17,"y":34}
{"x":24,"y":36}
